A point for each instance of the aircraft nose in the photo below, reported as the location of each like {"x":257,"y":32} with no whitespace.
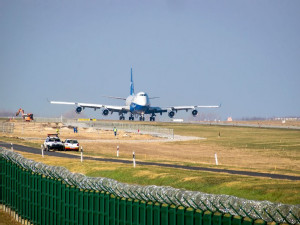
{"x":144,"y":101}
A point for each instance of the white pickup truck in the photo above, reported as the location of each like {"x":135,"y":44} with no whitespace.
{"x":53,"y":142}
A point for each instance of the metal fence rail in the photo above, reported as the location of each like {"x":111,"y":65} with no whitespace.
{"x":129,"y":127}
{"x":39,"y":194}
{"x":6,"y":127}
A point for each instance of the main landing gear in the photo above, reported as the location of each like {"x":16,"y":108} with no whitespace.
{"x":141,"y":118}
{"x":122,"y":117}
{"x":152,"y":118}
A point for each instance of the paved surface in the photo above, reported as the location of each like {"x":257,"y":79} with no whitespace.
{"x":162,"y":139}
{"x":70,"y":156}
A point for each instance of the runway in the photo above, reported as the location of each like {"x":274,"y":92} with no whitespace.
{"x":22,"y":148}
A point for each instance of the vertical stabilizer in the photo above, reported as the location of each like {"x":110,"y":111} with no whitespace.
{"x":131,"y":85}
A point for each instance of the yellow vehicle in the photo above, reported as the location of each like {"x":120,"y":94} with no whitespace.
{"x":27,"y":117}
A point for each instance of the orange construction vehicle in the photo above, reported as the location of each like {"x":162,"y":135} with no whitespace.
{"x":27,"y":117}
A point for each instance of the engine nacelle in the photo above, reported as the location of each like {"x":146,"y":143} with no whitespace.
{"x":171,"y":114}
{"x":195,"y":112}
{"x":78,"y":110}
{"x":105,"y":112}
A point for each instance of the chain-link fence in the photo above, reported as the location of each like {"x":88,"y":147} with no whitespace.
{"x":7,"y":127}
{"x":128,"y":127}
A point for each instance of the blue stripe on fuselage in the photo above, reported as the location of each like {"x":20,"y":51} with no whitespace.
{"x":138,"y":108}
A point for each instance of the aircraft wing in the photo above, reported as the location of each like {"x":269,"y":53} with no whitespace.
{"x":111,"y":108}
{"x":156,"y":110}
{"x":176,"y":108}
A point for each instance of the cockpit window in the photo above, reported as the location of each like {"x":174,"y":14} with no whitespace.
{"x":142,"y":94}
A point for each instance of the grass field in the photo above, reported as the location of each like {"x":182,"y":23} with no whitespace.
{"x":241,"y":148}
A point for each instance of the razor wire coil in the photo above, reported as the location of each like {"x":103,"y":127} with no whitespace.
{"x":264,"y":210}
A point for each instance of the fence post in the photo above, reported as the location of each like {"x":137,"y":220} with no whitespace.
{"x":226,"y":220}
{"x":207,"y":218}
{"x":149,"y":214}
{"x":129,"y":218}
{"x":122,"y":211}
{"x":180,"y":215}
{"x":172,"y":214}
{"x":216,"y":158}
{"x":199,"y":217}
{"x":42,"y":149}
{"x":133,"y":158}
{"x":157,"y":214}
{"x":135,"y":212}
{"x":189,"y":216}
{"x":217,"y":218}
{"x":81,"y":155}
{"x":143,"y":213}
{"x":236,"y":220}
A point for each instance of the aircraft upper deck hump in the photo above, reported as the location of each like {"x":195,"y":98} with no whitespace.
{"x":131,"y":85}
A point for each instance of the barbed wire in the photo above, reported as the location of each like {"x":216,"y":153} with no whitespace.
{"x":264,"y":210}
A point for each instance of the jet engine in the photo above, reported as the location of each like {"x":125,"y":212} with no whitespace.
{"x":171,"y":114}
{"x":105,"y":112}
{"x":194,"y":112}
{"x":78,"y":110}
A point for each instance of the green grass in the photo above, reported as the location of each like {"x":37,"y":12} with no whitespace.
{"x":253,"y":188}
{"x":240,"y":186}
{"x":240,"y":137}
{"x":19,"y":141}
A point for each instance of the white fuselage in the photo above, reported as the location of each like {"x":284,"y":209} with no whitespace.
{"x":138,"y":103}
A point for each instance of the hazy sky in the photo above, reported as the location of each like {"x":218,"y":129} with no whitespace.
{"x":243,"y":54}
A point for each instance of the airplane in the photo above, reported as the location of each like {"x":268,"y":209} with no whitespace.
{"x":136,"y":105}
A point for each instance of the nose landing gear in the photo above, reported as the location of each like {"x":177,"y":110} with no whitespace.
{"x":131,"y":117}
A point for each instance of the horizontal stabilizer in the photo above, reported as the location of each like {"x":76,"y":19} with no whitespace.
{"x":114,"y":97}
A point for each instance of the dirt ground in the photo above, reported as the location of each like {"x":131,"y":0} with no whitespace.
{"x":40,"y":131}
{"x":6,"y":219}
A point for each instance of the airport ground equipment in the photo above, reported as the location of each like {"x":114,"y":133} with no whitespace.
{"x":71,"y":144}
{"x":26,"y":116}
{"x":42,"y":194}
{"x":53,"y":142}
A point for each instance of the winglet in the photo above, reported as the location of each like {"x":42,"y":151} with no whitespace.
{"x":131,"y":84}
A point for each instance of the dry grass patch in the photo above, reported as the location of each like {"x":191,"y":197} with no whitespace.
{"x":41,"y":130}
{"x":150,"y":174}
{"x":241,"y":148}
